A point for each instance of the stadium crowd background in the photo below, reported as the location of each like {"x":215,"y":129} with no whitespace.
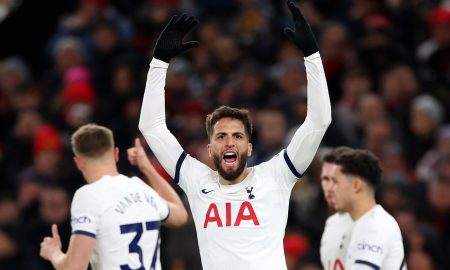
{"x":66,"y":63}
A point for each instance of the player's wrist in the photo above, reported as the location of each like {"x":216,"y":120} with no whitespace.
{"x":315,"y":55}
{"x":310,"y":51}
{"x":57,"y":259}
{"x":145,"y":170}
{"x":162,"y":57}
{"x":159,"y":63}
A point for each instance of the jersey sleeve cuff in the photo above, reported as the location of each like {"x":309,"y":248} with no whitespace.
{"x":313,"y":56}
{"x":369,"y":264}
{"x":159,"y":63}
{"x":86,"y":233}
{"x":168,"y":214}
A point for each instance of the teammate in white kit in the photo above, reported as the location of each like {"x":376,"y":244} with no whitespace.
{"x":338,"y":227}
{"x":376,"y":241}
{"x":115,"y":219}
{"x":240,"y":213}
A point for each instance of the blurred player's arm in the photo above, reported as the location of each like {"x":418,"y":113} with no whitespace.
{"x":177,"y":212}
{"x":152,"y":121}
{"x":307,"y":138}
{"x":77,"y":256}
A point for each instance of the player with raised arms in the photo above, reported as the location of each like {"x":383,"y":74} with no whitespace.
{"x":240,"y":212}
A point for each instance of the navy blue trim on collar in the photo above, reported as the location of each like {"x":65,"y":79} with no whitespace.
{"x":84,"y":233}
{"x":374,"y":266}
{"x":290,"y":165}
{"x":178,"y":167}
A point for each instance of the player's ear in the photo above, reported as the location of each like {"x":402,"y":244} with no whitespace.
{"x":208,"y":146}
{"x":116,"y":154}
{"x":357,"y":185}
{"x":249,"y":149}
{"x":78,"y":163}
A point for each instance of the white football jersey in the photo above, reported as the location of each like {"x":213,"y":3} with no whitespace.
{"x":335,"y":239}
{"x":240,"y":226}
{"x":124,"y":215}
{"x":376,"y":242}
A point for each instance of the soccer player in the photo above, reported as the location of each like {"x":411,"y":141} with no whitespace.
{"x":240,"y":212}
{"x":338,"y":227}
{"x":376,"y":241}
{"x":115,"y":219}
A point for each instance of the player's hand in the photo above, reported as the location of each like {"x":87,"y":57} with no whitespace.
{"x":137,"y":156}
{"x":170,"y":42}
{"x":51,"y":246}
{"x":302,"y":35}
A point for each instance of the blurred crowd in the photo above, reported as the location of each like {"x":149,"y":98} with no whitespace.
{"x":72,"y":62}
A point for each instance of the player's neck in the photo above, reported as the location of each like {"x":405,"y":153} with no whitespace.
{"x":94,"y":173}
{"x":361,"y":206}
{"x":235,"y":181}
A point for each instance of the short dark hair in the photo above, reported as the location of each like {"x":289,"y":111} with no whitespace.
{"x":226,"y":111}
{"x":333,"y":154}
{"x":361,"y":163}
{"x":92,"y":141}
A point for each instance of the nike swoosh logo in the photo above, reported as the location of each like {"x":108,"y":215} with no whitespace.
{"x":205,"y":191}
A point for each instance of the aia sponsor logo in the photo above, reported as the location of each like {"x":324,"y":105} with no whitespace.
{"x":245,"y":213}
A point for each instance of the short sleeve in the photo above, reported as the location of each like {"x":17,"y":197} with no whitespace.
{"x":163,"y":207}
{"x":85,"y":213}
{"x":369,"y":250}
{"x":190,"y":171}
{"x":282,"y":170}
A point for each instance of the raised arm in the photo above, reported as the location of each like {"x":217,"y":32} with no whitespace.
{"x":152,"y":121}
{"x":177,"y":212}
{"x":306,"y":140}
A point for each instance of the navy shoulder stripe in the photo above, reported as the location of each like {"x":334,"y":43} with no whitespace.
{"x":84,"y":233}
{"x":290,"y":165}
{"x":374,"y":266}
{"x":176,"y":179}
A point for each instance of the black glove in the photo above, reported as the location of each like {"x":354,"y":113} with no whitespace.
{"x":170,"y":41}
{"x":302,"y":36}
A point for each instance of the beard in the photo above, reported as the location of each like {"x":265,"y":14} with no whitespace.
{"x":230,"y":175}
